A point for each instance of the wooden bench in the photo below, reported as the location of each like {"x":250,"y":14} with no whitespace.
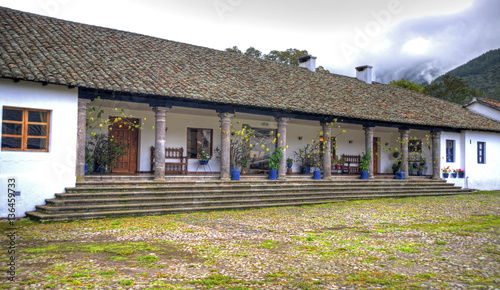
{"x":172,"y":167}
{"x":352,"y":162}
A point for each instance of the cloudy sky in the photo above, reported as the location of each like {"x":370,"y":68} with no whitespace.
{"x":417,"y":39}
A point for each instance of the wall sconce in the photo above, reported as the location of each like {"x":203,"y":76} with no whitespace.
{"x":320,"y":138}
{"x":386,"y":144}
{"x":350,"y":141}
{"x":300,"y":137}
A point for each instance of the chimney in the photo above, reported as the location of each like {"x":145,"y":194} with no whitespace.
{"x":364,"y":73}
{"x":308,"y":62}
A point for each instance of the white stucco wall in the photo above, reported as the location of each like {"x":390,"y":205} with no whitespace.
{"x":485,"y":111}
{"x":477,"y":176}
{"x":482,"y":176}
{"x":40,"y":174}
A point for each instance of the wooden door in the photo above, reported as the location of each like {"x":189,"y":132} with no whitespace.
{"x":375,"y":155}
{"x":127,"y":163}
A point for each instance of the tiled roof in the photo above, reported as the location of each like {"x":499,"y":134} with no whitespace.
{"x":43,"y":49}
{"x":495,"y":104}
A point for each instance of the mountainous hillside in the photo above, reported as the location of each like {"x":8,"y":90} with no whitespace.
{"x":483,"y":73}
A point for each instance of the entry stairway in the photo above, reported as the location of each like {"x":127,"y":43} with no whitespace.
{"x":104,"y":199}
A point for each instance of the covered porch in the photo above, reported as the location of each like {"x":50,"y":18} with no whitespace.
{"x":196,"y":129}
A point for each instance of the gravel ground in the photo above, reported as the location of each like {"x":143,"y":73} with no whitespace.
{"x":450,"y":242}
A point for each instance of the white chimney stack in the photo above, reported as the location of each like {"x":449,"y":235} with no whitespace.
{"x":364,"y":73}
{"x":308,"y":62}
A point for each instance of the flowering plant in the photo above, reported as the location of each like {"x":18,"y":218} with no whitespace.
{"x":365,"y":160}
{"x":460,"y":171}
{"x":420,"y":168}
{"x":455,"y":170}
{"x":446,"y":169}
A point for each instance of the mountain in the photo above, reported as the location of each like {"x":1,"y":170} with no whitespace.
{"x":483,"y":73}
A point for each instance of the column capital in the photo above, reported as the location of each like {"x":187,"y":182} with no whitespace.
{"x":160,"y":109}
{"x":436,"y":134}
{"x":225,"y":117}
{"x":282,"y":121}
{"x":368,"y":129}
{"x":404,"y":133}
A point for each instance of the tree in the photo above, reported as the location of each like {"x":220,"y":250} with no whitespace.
{"x":234,"y":49}
{"x":453,"y":89}
{"x":321,"y":69}
{"x":289,"y":56}
{"x":251,"y":51}
{"x":406,"y":84}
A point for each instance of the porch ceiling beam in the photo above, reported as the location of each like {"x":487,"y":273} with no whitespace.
{"x":162,"y":101}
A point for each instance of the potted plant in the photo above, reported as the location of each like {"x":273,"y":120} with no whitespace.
{"x":306,"y":157}
{"x":395,"y":167}
{"x":274,"y":162}
{"x":363,"y":163}
{"x":204,"y":158}
{"x":420,"y":170}
{"x":289,"y":162}
{"x":103,"y":153}
{"x":461,"y":173}
{"x":446,"y":171}
{"x":422,"y":161}
{"x":454,"y":174}
{"x":341,"y":163}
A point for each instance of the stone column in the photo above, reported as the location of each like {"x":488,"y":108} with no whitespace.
{"x":160,"y":125}
{"x":326,"y":147}
{"x":369,"y":147}
{"x":81,"y":139}
{"x":436,"y":154}
{"x":404,"y":151}
{"x":282,"y":123}
{"x":225,"y":141}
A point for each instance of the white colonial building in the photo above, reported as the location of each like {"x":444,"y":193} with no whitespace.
{"x":54,"y":73}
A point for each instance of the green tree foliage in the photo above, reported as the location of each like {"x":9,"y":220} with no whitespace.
{"x":321,"y":69}
{"x":453,"y":89}
{"x":481,"y":73}
{"x":290,"y":56}
{"x":406,"y":84}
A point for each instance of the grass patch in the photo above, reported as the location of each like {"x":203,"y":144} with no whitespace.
{"x":378,"y":278}
{"x":115,"y":248}
{"x":216,"y":280}
{"x":148,"y":259}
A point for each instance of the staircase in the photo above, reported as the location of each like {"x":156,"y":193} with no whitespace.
{"x":102,"y":199}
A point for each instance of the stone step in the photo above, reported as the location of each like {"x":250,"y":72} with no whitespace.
{"x":44,"y":217}
{"x":229,"y":192}
{"x":202,"y":201}
{"x":124,"y":187}
{"x":98,"y":199}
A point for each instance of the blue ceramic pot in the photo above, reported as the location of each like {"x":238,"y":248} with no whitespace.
{"x":317,"y":174}
{"x":273,"y":174}
{"x":364,"y":174}
{"x":235,"y":175}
